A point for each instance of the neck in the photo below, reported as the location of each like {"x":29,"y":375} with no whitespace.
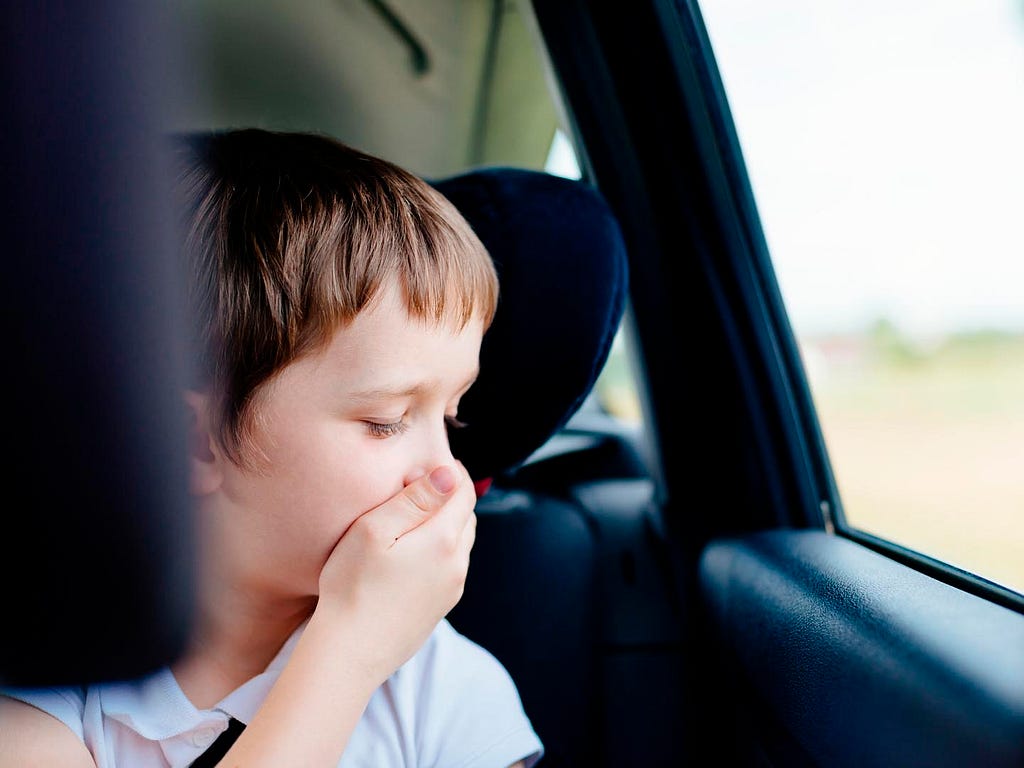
{"x":239,"y":628}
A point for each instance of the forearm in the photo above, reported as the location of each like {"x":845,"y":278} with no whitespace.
{"x":310,"y":713}
{"x":394,"y":574}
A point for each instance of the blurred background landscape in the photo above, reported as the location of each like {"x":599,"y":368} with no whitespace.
{"x":927,"y":441}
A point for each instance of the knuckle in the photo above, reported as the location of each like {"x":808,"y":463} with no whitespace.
{"x":414,"y":506}
{"x":359,"y":526}
{"x":375,"y":533}
{"x":454,"y":591}
{"x":457,"y":577}
{"x":448,"y":544}
{"x":417,"y":500}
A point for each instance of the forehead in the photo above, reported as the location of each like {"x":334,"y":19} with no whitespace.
{"x":384,"y":348}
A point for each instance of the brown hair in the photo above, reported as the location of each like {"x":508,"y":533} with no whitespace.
{"x":289,"y":236}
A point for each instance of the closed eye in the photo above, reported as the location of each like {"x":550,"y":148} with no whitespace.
{"x":386,"y":429}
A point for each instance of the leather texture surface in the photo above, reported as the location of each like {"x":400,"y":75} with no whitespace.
{"x":863,"y":661}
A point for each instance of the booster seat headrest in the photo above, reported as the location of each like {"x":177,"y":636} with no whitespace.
{"x":561,"y":263}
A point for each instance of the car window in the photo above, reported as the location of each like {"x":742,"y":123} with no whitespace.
{"x":883,"y":143}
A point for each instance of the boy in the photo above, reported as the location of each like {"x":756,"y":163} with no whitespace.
{"x":340,"y":305}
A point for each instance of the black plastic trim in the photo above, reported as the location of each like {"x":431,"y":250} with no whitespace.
{"x":863,"y":661}
{"x":654,"y":129}
{"x":937,"y":569}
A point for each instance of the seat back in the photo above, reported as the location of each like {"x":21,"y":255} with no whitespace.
{"x":93,"y":356}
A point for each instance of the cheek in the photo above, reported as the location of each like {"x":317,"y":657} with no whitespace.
{"x":375,"y":475}
{"x":324,"y":477}
{"x":356,"y":481}
{"x":358,"y":489}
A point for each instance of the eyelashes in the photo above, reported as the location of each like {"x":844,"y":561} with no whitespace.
{"x":453,"y":423}
{"x":387,"y":429}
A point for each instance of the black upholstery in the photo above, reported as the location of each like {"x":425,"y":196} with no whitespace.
{"x":562,"y":266}
{"x":533,"y":585}
{"x":530,"y":600}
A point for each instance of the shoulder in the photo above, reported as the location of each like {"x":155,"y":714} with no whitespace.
{"x":31,"y":735}
{"x":453,"y":675}
{"x":66,"y":705}
{"x":464,"y":706}
{"x":461,"y":661}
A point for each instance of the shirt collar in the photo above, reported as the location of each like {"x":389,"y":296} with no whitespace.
{"x":156,"y":708}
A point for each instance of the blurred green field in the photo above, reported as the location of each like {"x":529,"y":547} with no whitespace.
{"x":927,"y":445}
{"x":926,"y":439}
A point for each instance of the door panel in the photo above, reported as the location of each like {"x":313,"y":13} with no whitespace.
{"x":861,"y":660}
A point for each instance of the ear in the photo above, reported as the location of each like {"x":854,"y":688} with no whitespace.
{"x":205,"y":459}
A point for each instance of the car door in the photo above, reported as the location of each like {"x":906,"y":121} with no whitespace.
{"x":807,"y":641}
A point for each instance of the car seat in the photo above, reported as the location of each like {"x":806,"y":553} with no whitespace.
{"x":537,"y":594}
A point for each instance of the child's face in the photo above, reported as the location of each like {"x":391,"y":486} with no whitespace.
{"x":345,"y":429}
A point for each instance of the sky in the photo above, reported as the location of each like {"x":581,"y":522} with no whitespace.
{"x":885,"y":145}
{"x":884,"y":140}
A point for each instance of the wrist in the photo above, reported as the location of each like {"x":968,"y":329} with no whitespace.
{"x":339,"y":638}
{"x":316,"y":702}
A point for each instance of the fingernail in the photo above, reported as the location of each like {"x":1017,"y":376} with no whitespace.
{"x":443,"y":479}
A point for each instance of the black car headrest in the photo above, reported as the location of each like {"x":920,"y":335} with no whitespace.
{"x":561,"y":264}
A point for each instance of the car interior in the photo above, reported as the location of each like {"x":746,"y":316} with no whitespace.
{"x":660,"y":590}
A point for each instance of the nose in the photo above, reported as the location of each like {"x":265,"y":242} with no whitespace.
{"x":430,"y":449}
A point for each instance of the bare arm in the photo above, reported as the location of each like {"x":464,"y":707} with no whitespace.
{"x":393,"y":576}
{"x":310,"y":713}
{"x":31,"y":738}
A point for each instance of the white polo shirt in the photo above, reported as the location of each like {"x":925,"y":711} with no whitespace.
{"x":452,"y":705}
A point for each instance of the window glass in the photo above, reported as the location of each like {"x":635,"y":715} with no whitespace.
{"x":885,"y":146}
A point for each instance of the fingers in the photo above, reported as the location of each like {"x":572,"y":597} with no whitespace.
{"x":468,"y":535}
{"x":413,"y":505}
{"x":428,"y":493}
{"x":447,"y":523}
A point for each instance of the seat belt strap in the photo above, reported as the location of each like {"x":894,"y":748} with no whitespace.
{"x":216,"y":751}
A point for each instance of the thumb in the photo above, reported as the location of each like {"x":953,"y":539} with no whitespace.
{"x":420,"y":499}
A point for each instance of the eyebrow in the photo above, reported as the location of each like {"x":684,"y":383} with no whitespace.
{"x":386,"y":393}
